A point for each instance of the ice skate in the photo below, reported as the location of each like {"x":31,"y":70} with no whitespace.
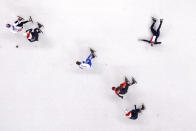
{"x":143,"y":107}
{"x":30,"y":19}
{"x":133,"y":81}
{"x":93,"y":52}
{"x":154,"y":19}
{"x":39,"y":25}
{"x":126,"y":80}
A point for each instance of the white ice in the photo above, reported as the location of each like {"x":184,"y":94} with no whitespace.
{"x":42,"y":89}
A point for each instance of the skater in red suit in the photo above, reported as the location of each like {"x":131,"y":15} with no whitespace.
{"x":123,"y":88}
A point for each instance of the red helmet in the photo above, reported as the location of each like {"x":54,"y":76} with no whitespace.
{"x":78,"y":63}
{"x":19,"y":18}
{"x":113,"y":88}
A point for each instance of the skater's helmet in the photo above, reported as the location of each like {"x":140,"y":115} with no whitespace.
{"x":78,"y":63}
{"x":8,"y":25}
{"x":19,"y":18}
{"x":113,"y":88}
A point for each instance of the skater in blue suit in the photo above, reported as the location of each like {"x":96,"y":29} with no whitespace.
{"x":87,"y":64}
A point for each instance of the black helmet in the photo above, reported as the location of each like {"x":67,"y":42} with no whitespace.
{"x":78,"y":63}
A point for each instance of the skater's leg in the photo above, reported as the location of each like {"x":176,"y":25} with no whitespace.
{"x":37,"y":30}
{"x":35,"y":33}
{"x":22,"y":23}
{"x":158,"y":30}
{"x":133,"y":81}
{"x":152,"y":28}
{"x":90,"y":57}
{"x":135,"y":107}
{"x":126,"y":80}
{"x":156,"y":39}
{"x":88,"y":60}
{"x":138,"y":110}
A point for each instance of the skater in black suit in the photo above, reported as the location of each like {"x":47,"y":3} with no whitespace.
{"x":133,"y":114}
{"x":33,"y":34}
{"x":155,"y":33}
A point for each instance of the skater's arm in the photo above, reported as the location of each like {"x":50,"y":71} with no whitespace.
{"x":84,"y":66}
{"x":145,"y":40}
{"x":120,"y":96}
{"x":16,"y":22}
{"x":117,"y":93}
{"x":29,"y":30}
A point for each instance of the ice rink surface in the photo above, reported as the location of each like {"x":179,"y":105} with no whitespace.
{"x":42,"y":89}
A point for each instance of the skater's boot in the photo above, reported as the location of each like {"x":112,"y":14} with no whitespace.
{"x":30,"y":19}
{"x":39,"y":25}
{"x":133,"y":81}
{"x":94,"y":55}
{"x":93,"y":52}
{"x":143,"y":107}
{"x":154,"y":19}
{"x":126,"y":80}
{"x":38,"y":30}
